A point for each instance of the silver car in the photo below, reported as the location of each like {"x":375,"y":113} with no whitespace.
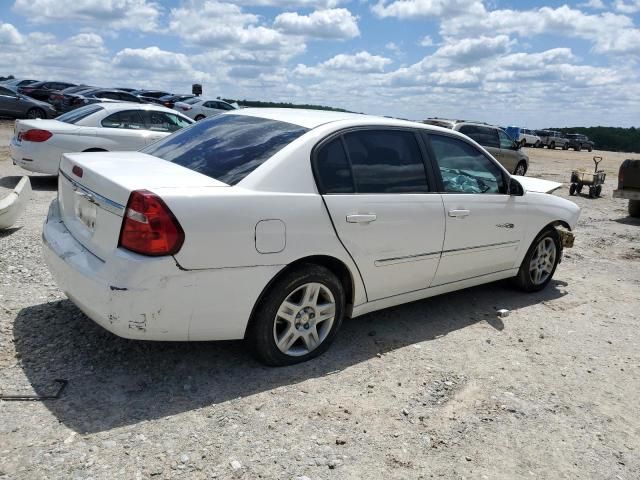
{"x":16,"y":105}
{"x":495,"y":140}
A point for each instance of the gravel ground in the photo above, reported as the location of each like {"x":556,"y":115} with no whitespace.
{"x":440,"y":388}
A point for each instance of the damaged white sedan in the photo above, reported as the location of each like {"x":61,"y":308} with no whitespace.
{"x":274,"y":225}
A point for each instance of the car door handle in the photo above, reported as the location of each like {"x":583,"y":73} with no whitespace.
{"x":459,"y":213}
{"x":362,"y":218}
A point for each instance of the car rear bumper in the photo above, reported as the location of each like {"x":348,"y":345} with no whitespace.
{"x":151,"y":298}
{"x":35,"y":157}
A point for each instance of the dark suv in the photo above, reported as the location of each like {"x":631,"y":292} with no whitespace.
{"x":578,"y":142}
{"x":42,"y":90}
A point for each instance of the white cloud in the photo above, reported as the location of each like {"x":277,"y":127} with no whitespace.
{"x":151,"y":58}
{"x":593,"y":4}
{"x":231,"y":31}
{"x":337,"y":23}
{"x":118,"y":14}
{"x":9,"y":35}
{"x":426,"y":41}
{"x":291,"y":3}
{"x":474,"y":50}
{"x":631,"y":7}
{"x":425,"y":8}
{"x":360,"y":62}
{"x":609,"y":33}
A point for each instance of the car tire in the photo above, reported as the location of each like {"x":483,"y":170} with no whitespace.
{"x":33,"y":113}
{"x":578,"y":148}
{"x":538,"y":144}
{"x":552,"y":146}
{"x":523,"y":143}
{"x":634,"y":208}
{"x":199,"y":117}
{"x":521,"y":169}
{"x":280,"y":331}
{"x":589,"y":149}
{"x":598,"y":190}
{"x":542,"y":259}
{"x":565,"y":146}
{"x":572,"y":189}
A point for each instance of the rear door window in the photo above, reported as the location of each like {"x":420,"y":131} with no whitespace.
{"x":386,"y":161}
{"x":227,"y":147}
{"x":333,"y":172}
{"x":464,"y":168}
{"x":163,"y":122}
{"x":129,"y":119}
{"x":485,"y":136}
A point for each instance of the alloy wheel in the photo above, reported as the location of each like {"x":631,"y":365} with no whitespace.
{"x":304,"y":319}
{"x":542,"y":261}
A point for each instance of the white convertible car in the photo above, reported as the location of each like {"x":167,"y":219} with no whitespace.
{"x":38,"y":145}
{"x":274,"y":225}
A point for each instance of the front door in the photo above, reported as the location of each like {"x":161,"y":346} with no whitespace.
{"x":484,"y":225}
{"x":376,"y":188}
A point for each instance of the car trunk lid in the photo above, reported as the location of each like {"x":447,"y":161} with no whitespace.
{"x":93,"y":190}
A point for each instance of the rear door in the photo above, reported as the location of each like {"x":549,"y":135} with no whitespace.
{"x":484,"y":225}
{"x":125,"y":130}
{"x":377,"y":189}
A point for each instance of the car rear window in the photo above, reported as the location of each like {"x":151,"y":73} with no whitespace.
{"x":192,"y":100}
{"x":78,"y":114}
{"x":226,"y":147}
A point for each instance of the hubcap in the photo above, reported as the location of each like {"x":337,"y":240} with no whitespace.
{"x":542,"y":261}
{"x":520,"y":170}
{"x":304,"y":319}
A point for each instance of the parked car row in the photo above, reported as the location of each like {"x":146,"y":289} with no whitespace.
{"x":551,"y":139}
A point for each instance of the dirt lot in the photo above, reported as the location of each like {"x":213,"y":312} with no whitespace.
{"x":440,"y":388}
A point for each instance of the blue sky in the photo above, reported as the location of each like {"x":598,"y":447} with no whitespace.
{"x":530,"y":63}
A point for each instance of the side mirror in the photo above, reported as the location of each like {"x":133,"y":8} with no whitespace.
{"x":515,"y":189}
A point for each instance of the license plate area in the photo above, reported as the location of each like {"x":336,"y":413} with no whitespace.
{"x":86,"y":210}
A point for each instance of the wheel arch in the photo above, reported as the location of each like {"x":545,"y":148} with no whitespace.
{"x":336,"y":266}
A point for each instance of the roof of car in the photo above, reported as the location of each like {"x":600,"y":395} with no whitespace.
{"x":115,"y":106}
{"x":314,"y":118}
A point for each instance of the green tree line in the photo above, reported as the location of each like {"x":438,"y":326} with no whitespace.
{"x":613,"y":139}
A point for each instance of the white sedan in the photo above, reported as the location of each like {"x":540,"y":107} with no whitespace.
{"x":199,"y":108}
{"x":38,"y":145}
{"x":273,"y":225}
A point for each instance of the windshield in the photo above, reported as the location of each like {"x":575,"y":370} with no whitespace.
{"x":226,"y":147}
{"x":78,"y":114}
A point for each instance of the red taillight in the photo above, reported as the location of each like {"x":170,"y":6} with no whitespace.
{"x":77,"y":171}
{"x":35,"y":135}
{"x":149,"y":227}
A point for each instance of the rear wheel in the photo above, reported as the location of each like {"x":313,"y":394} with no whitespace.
{"x":634,"y":208}
{"x":521,"y":169}
{"x":540,"y":262}
{"x":572,"y":189}
{"x":36,"y":113}
{"x":589,"y":149}
{"x":598,"y":190}
{"x":199,"y":117}
{"x":552,"y":146}
{"x":578,"y":148}
{"x":298,"y":317}
{"x":565,"y":146}
{"x":523,"y":142}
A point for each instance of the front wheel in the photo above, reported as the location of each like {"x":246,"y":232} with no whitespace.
{"x":298,"y":318}
{"x":565,"y":146}
{"x":540,"y":262}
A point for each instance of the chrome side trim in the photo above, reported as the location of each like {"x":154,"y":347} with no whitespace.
{"x":488,"y":246}
{"x":100,"y":200}
{"x":407,"y":258}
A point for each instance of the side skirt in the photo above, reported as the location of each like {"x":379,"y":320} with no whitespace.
{"x":431,"y":292}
